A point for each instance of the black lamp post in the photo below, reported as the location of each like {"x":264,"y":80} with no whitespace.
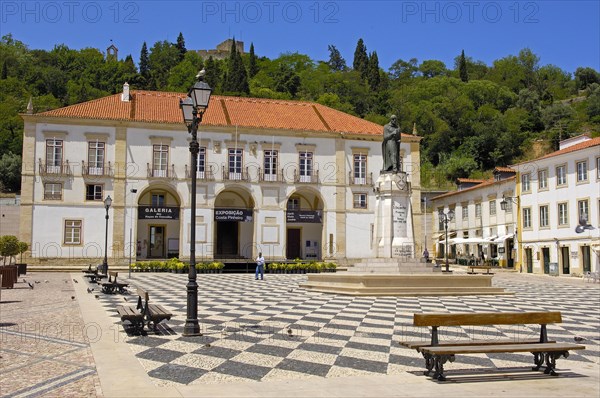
{"x":193,"y":108}
{"x":446,"y":218}
{"x":107,"y":203}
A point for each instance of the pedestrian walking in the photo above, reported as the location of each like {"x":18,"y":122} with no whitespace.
{"x":260,"y":267}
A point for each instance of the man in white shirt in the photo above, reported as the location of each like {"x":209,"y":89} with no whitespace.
{"x":260,"y":267}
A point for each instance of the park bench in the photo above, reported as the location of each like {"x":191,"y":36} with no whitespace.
{"x":487,"y":268}
{"x":93,"y":274}
{"x":437,"y":353}
{"x":144,"y":313}
{"x":112,"y":285}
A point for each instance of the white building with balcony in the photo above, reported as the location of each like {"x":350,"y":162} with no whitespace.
{"x":560,"y":209}
{"x":480,"y":229}
{"x":289,"y":178}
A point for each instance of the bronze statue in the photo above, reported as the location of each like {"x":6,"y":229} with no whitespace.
{"x":391,"y":146}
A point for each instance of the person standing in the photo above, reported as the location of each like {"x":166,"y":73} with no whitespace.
{"x":426,"y":255}
{"x":260,"y":267}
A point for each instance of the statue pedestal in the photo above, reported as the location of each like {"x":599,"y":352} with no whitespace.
{"x":394,"y":238}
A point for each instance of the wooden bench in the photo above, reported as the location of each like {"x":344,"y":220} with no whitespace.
{"x":437,"y":353}
{"x":472,"y":268}
{"x":144,"y":313}
{"x":113,"y":284}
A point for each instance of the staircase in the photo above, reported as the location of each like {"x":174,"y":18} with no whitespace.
{"x":390,"y":266}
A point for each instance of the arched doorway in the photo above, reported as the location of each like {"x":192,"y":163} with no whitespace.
{"x":158,"y":224}
{"x":234,"y":224}
{"x":304,"y":225}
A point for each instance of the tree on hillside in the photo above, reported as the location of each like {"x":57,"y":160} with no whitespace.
{"x":236,"y":78}
{"x":252,"y":62}
{"x":462,"y":67}
{"x":4,"y":73}
{"x":336,"y":61}
{"x":286,"y":80}
{"x":361,"y":59}
{"x":586,"y":76}
{"x":404,"y":70}
{"x":144,"y":66}
{"x":163,"y":56}
{"x":10,"y":175}
{"x":212,"y":73}
{"x":373,"y":77}
{"x":181,"y":46}
{"x":432,"y":68}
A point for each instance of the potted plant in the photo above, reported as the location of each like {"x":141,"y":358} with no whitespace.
{"x":21,"y":266}
{"x":9,"y":247}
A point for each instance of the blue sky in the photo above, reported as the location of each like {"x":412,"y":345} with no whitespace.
{"x":563,"y":33}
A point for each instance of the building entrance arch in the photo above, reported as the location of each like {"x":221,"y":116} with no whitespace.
{"x":234,"y":224}
{"x":304,"y":225}
{"x":158,"y":223}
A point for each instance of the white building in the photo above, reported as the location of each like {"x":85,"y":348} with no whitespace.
{"x":558,"y":192}
{"x":480,"y":227}
{"x":288,"y":178}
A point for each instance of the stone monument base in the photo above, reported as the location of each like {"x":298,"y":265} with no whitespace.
{"x":355,"y":284}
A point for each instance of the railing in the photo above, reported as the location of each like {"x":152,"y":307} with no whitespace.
{"x":94,"y":171}
{"x":235,"y":176}
{"x":264,"y":177}
{"x":168,"y":172}
{"x":366,"y":180}
{"x":55,"y":169}
{"x":311,"y":177}
{"x":206,"y":175}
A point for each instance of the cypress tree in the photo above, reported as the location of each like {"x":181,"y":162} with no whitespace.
{"x":252,"y":65}
{"x":236,"y":80}
{"x":144,"y":64}
{"x":212,"y":73}
{"x":4,"y":75}
{"x":373,"y":77}
{"x":336,"y":61}
{"x":361,"y":60}
{"x":181,"y":46}
{"x":462,"y":67}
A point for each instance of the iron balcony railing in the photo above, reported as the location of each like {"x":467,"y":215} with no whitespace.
{"x":234,"y":175}
{"x":90,"y":170}
{"x":307,"y":177}
{"x":58,"y":169}
{"x":354,"y":180}
{"x":206,"y":175}
{"x":265,"y":177}
{"x":166,"y":172}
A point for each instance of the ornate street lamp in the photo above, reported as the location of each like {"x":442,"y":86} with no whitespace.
{"x":446,"y":218}
{"x":107,"y":203}
{"x":504,"y":202}
{"x":192,"y":109}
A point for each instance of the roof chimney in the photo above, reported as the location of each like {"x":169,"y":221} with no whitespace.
{"x":30,"y":106}
{"x":125,"y":97}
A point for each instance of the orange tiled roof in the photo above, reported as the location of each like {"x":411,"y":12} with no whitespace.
{"x":504,"y":169}
{"x":484,"y":183}
{"x":461,"y":180}
{"x":573,"y":148}
{"x":163,"y":107}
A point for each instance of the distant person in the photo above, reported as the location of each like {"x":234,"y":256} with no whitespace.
{"x":426,"y":255}
{"x":260,"y":267}
{"x":482,"y":258}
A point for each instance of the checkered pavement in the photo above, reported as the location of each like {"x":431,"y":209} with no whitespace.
{"x":271,"y":329}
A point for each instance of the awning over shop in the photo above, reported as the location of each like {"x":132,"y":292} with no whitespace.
{"x":492,"y":239}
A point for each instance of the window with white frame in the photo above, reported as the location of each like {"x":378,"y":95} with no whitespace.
{"x":563,"y":214}
{"x":72,"y":232}
{"x":201,"y":162}
{"x":582,"y":171}
{"x":235,"y":164}
{"x":465,"y":212}
{"x":52,"y":191}
{"x":160,"y":160}
{"x":306,"y":166}
{"x":493,"y":207}
{"x":360,"y":168}
{"x":95,"y":158}
{"x":583,"y":210}
{"x":544,"y":216}
{"x":271,"y":157}
{"x":526,"y":217}
{"x":93,"y":192}
{"x":526,"y":182}
{"x":561,"y":175}
{"x":543,"y":179}
{"x":54,"y":154}
{"x":477,"y":210}
{"x":360,"y":200}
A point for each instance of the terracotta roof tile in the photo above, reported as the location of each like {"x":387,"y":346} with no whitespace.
{"x":577,"y":147}
{"x":163,"y":107}
{"x":485,"y":183}
{"x":505,"y":169}
{"x":461,"y":180}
